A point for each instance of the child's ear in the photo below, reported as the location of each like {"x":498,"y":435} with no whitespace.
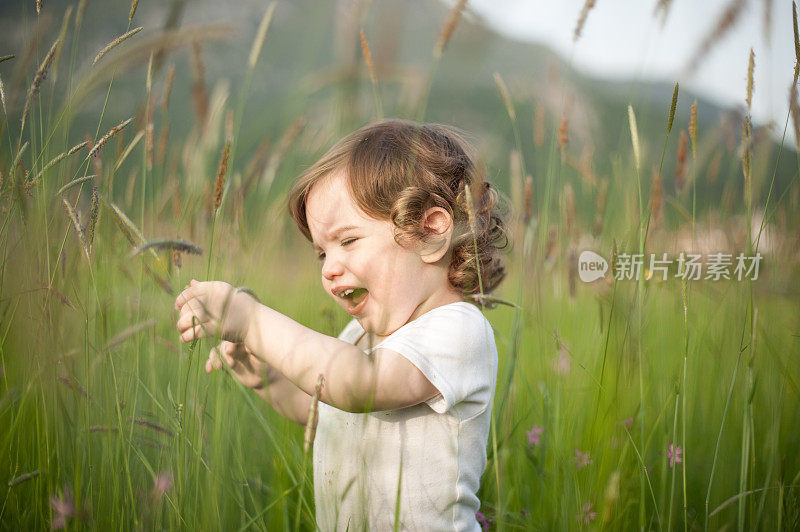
{"x":438,"y":224}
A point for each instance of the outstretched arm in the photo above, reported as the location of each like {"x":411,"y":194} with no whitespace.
{"x":353,"y":381}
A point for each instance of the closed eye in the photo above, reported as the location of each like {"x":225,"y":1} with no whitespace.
{"x":345,"y":242}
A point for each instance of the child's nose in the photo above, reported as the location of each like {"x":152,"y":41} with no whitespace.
{"x":332,"y":267}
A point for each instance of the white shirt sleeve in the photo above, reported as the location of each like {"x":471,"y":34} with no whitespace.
{"x":454,"y":347}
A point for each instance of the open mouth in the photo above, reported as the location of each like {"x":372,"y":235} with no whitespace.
{"x":357,"y":298}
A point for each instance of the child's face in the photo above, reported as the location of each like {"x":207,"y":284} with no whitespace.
{"x":364,"y":269}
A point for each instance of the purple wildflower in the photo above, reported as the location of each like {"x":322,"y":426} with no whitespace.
{"x":582,"y":459}
{"x":674,"y":454}
{"x":483,"y":520}
{"x":534,"y":435}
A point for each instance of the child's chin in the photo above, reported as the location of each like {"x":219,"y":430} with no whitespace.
{"x":378,"y":330}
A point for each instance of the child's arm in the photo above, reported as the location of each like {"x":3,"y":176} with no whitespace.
{"x":353,"y":381}
{"x":283,"y":396}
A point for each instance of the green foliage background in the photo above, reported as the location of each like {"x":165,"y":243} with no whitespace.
{"x":99,"y":401}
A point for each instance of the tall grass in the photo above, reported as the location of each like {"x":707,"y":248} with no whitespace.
{"x":110,"y":423}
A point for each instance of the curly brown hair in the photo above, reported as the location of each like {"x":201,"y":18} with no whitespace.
{"x":397,"y":170}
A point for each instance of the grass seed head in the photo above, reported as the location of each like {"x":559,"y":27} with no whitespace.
{"x":149,"y":133}
{"x":116,"y":42}
{"x":637,"y":155}
{"x":563,"y":132}
{"x":219,"y":182}
{"x":750,"y":67}
{"x":184,"y":246}
{"x":680,"y":162}
{"x":77,"y":225}
{"x":168,"y":87}
{"x":448,"y":29}
{"x":368,"y":58}
{"x":587,"y":6}
{"x":672,"y":108}
{"x":528,"y":200}
{"x":312,"y":415}
{"x":134,"y":5}
{"x":110,"y":134}
{"x":129,"y":230}
{"x":80,"y":12}
{"x":38,"y":78}
{"x":473,"y":223}
{"x":261,"y":35}
{"x":725,"y":22}
{"x":93,"y":211}
{"x":693,"y":129}
{"x":77,"y":147}
{"x":3,"y":96}
{"x":512,"y":114}
{"x":796,"y":42}
{"x":794,"y":110}
{"x":662,"y":6}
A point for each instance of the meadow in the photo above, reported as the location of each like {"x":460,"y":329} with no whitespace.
{"x":630,"y":402}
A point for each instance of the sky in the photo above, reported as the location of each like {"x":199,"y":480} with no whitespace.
{"x":623,"y":39}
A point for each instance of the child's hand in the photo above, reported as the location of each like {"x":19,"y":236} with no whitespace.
{"x":243,"y":363}
{"x":214,"y":307}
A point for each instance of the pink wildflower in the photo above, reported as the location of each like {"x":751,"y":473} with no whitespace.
{"x":63,"y":508}
{"x":674,"y":454}
{"x":534,"y":435}
{"x":582,"y":459}
{"x":587,"y":515}
{"x":161,"y":484}
{"x":561,"y":363}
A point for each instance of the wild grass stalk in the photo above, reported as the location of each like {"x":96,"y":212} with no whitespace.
{"x":373,"y":78}
{"x":506,"y":384}
{"x":445,"y":35}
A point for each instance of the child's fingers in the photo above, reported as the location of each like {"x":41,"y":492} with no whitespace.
{"x":183,"y":298}
{"x":189,"y":313}
{"x":187,"y":294}
{"x":192,"y":333}
{"x":225,"y":351}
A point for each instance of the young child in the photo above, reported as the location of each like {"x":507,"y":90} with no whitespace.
{"x":405,"y":407}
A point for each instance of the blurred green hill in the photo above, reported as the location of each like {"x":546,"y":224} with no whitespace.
{"x":312,"y":67}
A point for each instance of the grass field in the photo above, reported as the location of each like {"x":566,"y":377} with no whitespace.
{"x":620,"y":404}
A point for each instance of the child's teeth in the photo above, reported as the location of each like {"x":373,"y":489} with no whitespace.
{"x":348,"y":292}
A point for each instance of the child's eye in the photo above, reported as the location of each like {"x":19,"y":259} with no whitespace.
{"x":321,"y":256}
{"x":348,"y":241}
